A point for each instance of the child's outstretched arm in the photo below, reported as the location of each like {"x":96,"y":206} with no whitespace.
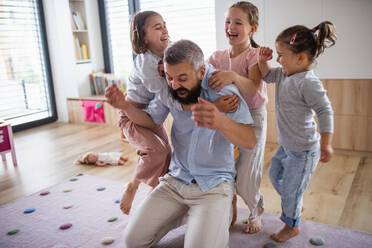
{"x":246,"y":86}
{"x":226,"y":104}
{"x":117,"y":99}
{"x":265,"y":54}
{"x":206,"y":115}
{"x":326,"y":150}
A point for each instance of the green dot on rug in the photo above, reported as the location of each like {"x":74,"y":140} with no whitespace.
{"x":14,"y":231}
{"x":112,"y":219}
{"x":317,"y":241}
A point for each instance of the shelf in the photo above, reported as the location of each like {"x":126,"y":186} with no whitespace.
{"x":80,"y":31}
{"x":84,"y":61}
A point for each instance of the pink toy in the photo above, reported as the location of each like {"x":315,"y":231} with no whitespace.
{"x":93,"y":111}
{"x":6,"y":141}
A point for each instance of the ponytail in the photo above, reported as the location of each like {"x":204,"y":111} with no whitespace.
{"x":253,"y":43}
{"x":312,"y":41}
{"x":326,"y":36}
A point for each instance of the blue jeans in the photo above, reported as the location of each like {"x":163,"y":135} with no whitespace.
{"x":290,"y":174}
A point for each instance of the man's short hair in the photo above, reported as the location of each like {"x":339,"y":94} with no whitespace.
{"x":184,"y":51}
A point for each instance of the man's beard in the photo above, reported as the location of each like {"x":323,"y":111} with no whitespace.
{"x":192,"y":95}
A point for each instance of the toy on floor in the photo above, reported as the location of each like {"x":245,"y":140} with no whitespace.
{"x":102,"y":159}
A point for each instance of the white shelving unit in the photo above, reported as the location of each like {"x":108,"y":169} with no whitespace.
{"x":80,"y":31}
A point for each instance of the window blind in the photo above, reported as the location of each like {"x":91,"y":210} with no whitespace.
{"x":192,"y":19}
{"x":24,"y":91}
{"x":117,"y":21}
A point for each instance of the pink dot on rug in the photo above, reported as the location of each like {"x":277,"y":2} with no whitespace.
{"x":44,"y":193}
{"x":65,"y":226}
{"x":67,"y":206}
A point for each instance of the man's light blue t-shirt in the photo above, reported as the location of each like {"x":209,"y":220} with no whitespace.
{"x":200,"y":153}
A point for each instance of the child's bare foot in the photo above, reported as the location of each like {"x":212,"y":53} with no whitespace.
{"x":254,"y":226}
{"x":286,"y":233}
{"x":235,"y":211}
{"x":128,"y":197}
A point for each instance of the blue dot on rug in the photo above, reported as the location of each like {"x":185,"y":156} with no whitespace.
{"x":29,"y":210}
{"x":14,"y":231}
{"x":101,"y":188}
{"x":270,"y":245}
{"x":317,"y":241}
{"x":117,"y":201}
{"x":65,"y":226}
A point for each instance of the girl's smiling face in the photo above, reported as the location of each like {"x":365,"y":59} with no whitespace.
{"x":237,"y":27}
{"x":287,"y":59}
{"x":156,"y":34}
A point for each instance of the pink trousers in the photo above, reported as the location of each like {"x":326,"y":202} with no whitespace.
{"x":152,"y":147}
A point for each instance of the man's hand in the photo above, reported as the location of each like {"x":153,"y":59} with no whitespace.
{"x":227,"y":104}
{"x":206,"y":114}
{"x":265,"y":54}
{"x":219,"y":79}
{"x":115,"y":97}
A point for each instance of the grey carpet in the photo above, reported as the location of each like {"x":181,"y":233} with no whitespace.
{"x":91,"y":209}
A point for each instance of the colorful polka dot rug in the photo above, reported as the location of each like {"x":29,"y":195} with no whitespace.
{"x":83,"y":211}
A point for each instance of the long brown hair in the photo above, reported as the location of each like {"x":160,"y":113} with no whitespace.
{"x":137,"y":30}
{"x":313,"y":41}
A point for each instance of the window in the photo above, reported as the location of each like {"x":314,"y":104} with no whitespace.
{"x":26,"y":93}
{"x":192,"y":19}
{"x":115,"y":27}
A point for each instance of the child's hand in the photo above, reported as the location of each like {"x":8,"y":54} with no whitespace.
{"x":115,"y":97}
{"x":161,"y":68}
{"x":326,"y":152}
{"x":100,"y":163}
{"x":219,"y":79}
{"x":227,"y":104}
{"x":265,"y":54}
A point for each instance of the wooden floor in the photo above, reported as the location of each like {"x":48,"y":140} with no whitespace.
{"x":340,"y":192}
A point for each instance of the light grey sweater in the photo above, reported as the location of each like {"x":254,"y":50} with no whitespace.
{"x":297,"y":97}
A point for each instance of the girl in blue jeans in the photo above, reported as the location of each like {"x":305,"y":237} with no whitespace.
{"x":298,"y":94}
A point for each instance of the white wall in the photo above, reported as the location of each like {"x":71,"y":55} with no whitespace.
{"x":350,"y":58}
{"x":70,"y":79}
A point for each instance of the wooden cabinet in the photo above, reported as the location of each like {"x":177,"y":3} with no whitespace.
{"x":76,"y":114}
{"x":351,"y":101}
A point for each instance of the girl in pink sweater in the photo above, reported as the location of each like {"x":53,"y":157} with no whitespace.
{"x":238,"y":65}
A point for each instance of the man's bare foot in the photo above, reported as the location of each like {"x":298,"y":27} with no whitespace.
{"x":254,"y":226}
{"x":235,"y":211}
{"x":128,"y":197}
{"x":286,"y":233}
